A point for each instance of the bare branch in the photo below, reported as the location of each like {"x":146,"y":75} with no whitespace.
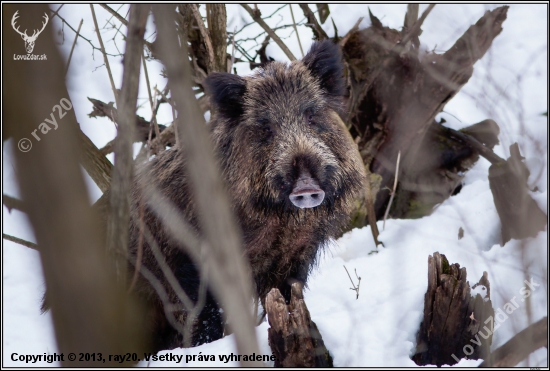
{"x":520,"y":346}
{"x":119,"y":217}
{"x":217,"y":28}
{"x":13,"y":203}
{"x":122,"y":20}
{"x":230,"y":67}
{"x":82,"y":37}
{"x":356,"y":289}
{"x":205,"y":36}
{"x":74,"y":44}
{"x":257,"y":16}
{"x":115,"y":14}
{"x":228,"y":268}
{"x":483,"y":151}
{"x":369,"y":200}
{"x":105,"y":56}
{"x":94,"y":162}
{"x":89,"y":310}
{"x":318,"y":32}
{"x":393,"y":191}
{"x":296,"y":29}
{"x":20,"y":241}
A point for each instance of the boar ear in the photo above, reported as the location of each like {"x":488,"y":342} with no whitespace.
{"x":324,"y":60}
{"x":226,"y":92}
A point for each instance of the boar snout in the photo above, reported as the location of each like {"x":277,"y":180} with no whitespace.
{"x":306,"y":192}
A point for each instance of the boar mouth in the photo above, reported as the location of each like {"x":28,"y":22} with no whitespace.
{"x":306,"y":192}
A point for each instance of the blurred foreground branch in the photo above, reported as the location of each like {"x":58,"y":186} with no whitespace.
{"x":230,"y":274}
{"x":91,"y":313}
{"x":520,"y":346}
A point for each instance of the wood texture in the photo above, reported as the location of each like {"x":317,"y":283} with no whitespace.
{"x":293,"y":336}
{"x":455,"y":323}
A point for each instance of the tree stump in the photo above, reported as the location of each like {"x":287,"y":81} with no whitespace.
{"x":293,"y":336}
{"x":519,"y":214}
{"x":396,"y":90}
{"x":455,"y":325}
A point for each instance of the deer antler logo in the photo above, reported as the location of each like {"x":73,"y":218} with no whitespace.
{"x":29,"y":40}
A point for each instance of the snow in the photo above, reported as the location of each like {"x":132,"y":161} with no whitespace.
{"x":509,"y":85}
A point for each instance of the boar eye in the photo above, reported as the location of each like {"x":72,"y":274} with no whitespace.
{"x":310,"y":120}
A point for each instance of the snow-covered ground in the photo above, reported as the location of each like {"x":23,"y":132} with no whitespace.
{"x":509,"y":85}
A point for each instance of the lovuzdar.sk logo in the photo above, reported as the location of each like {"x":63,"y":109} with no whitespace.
{"x":29,"y":40}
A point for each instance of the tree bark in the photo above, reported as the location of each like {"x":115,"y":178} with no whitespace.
{"x":455,"y":325}
{"x":217,"y":27}
{"x":519,"y":214}
{"x":293,"y":336}
{"x":394,"y":97}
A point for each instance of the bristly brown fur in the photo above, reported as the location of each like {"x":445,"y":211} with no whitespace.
{"x":267,"y":129}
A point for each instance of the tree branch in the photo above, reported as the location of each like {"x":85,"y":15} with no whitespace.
{"x":28,"y":244}
{"x":257,"y":16}
{"x":105,"y":56}
{"x":121,"y":184}
{"x":98,"y":167}
{"x":74,"y":44}
{"x":89,"y":310}
{"x":217,"y":28}
{"x":520,"y":346}
{"x":318,"y":32}
{"x":13,"y":203}
{"x":230,"y":274}
{"x":206,"y":37}
{"x":296,"y":29}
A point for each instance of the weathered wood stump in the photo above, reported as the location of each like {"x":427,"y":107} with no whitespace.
{"x":455,"y":325}
{"x":519,"y":214}
{"x":293,"y":336}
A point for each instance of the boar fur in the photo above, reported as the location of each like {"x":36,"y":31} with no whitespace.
{"x":280,"y":143}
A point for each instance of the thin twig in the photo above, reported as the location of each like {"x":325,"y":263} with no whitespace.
{"x":140,"y":245}
{"x":205,"y":36}
{"x":264,"y":18}
{"x":28,"y":244}
{"x":151,"y":102}
{"x":105,"y":56}
{"x":296,"y":29}
{"x":115,"y":14}
{"x":369,"y":199}
{"x":57,"y":11}
{"x":82,"y":37}
{"x":74,"y":44}
{"x":232,"y":52}
{"x":122,"y":20}
{"x":163,"y":296}
{"x":356,"y":289}
{"x":393,"y":191}
{"x":257,"y":17}
{"x":353,"y":29}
